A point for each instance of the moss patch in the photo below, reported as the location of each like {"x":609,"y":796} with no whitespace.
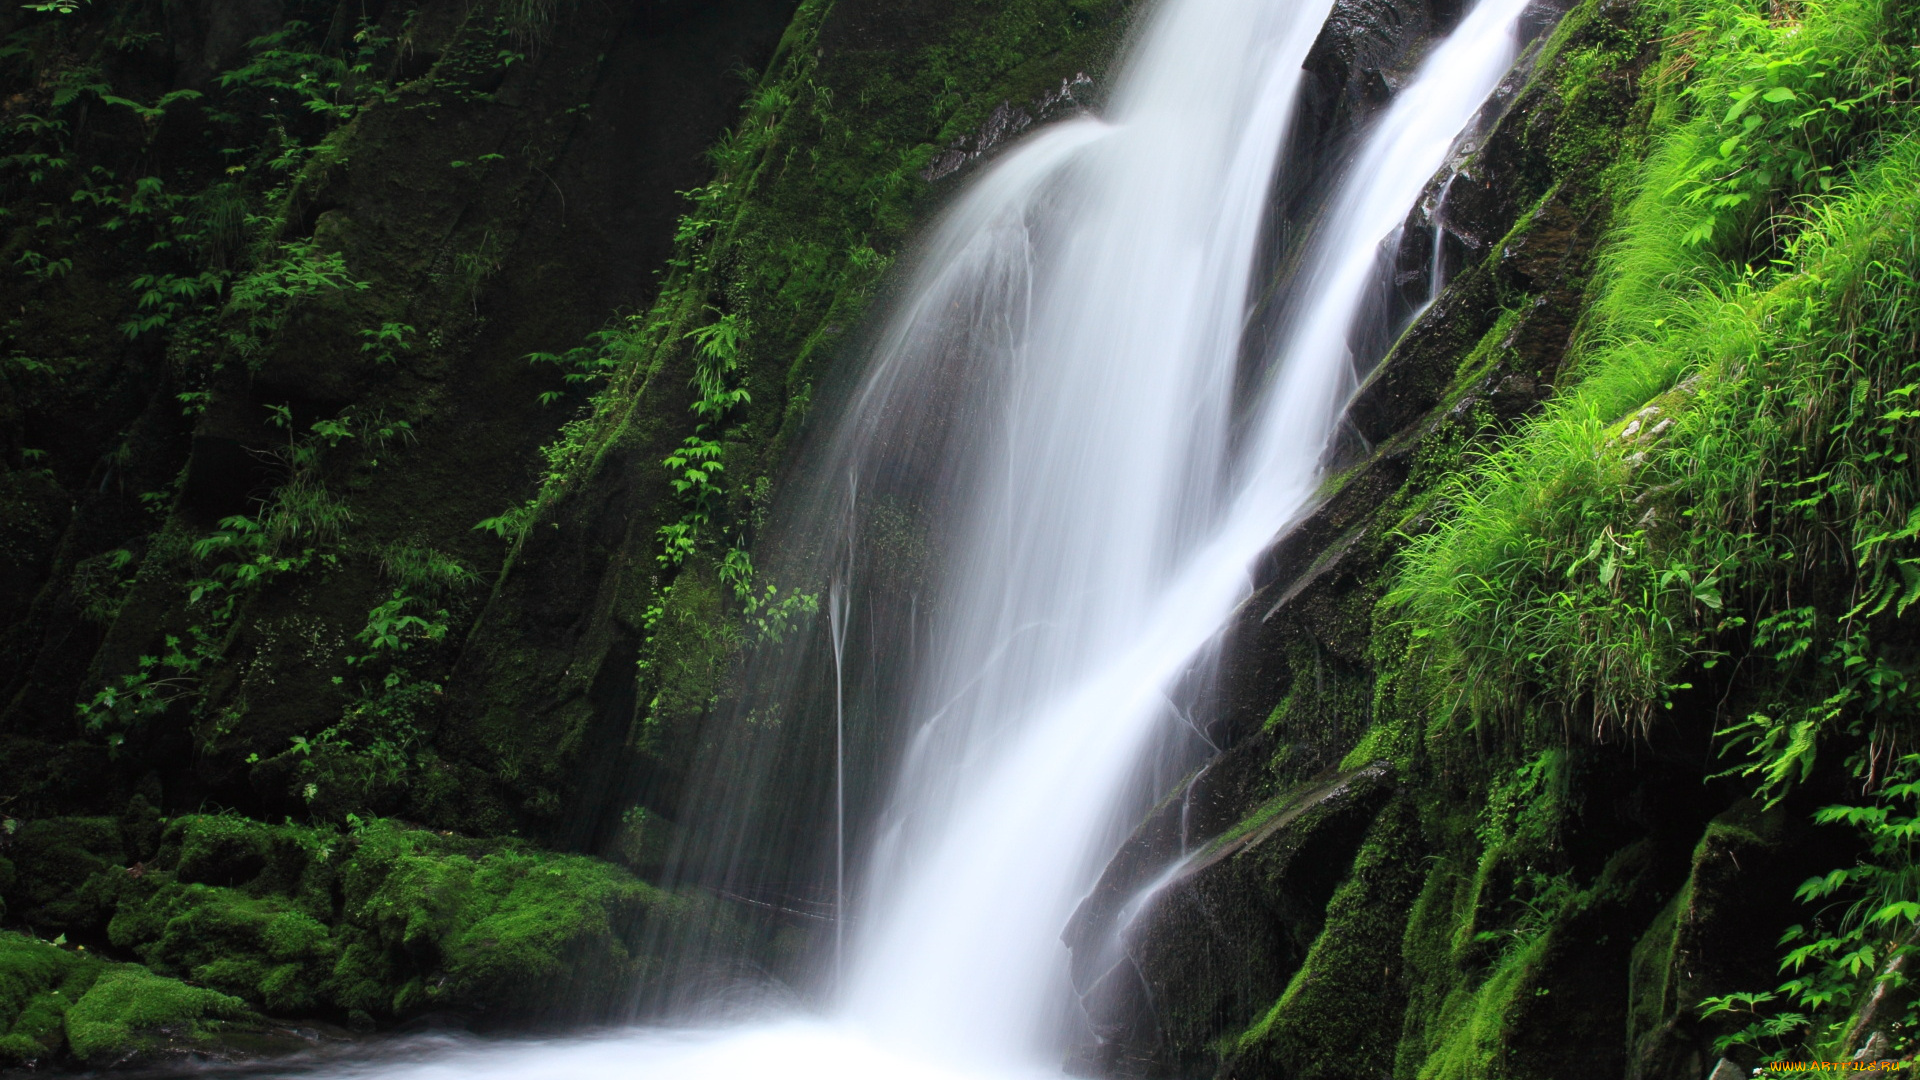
{"x":130,"y":1010}
{"x":1346,"y":1002}
{"x":384,"y":920}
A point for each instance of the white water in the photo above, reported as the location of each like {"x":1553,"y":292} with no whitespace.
{"x":1090,"y":290}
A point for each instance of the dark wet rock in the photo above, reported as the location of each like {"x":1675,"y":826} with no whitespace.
{"x":1356,"y":65}
{"x":1006,"y":122}
{"x":1164,"y":975}
{"x":1726,"y":1070}
{"x":1717,"y":935}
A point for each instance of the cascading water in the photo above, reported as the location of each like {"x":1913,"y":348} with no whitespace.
{"x":1059,"y":385}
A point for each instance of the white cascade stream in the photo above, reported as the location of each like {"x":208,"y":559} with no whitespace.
{"x":1093,"y":285}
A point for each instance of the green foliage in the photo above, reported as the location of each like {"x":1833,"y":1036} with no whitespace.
{"x":259,"y":302}
{"x":387,"y":343}
{"x":1731,"y":475}
{"x":583,"y":364}
{"x":158,"y":681}
{"x":509,"y":525}
{"x":1722,"y":418}
{"x":769,"y":613}
{"x":330,"y":85}
{"x":164,"y":296}
{"x":71,"y":190}
{"x":1795,"y":104}
{"x":392,"y":629}
{"x":291,"y":533}
{"x":424,"y":571}
{"x":376,"y":744}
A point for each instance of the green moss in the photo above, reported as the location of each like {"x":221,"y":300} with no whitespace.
{"x":1478,"y":1023}
{"x":1649,"y":992}
{"x":687,"y":657}
{"x":52,"y":859}
{"x":1430,"y":962}
{"x":231,"y":850}
{"x":1346,"y":1001}
{"x":435,"y":921}
{"x":264,"y":949}
{"x":1277,"y":811}
{"x":385,"y":920}
{"x":39,"y":982}
{"x":130,"y":1010}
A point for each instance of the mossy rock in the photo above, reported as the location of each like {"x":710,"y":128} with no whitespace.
{"x":267,"y":950}
{"x":497,"y":927}
{"x":1719,"y":934}
{"x":39,"y":982}
{"x":57,"y":1000}
{"x":1341,"y":1013}
{"x":230,"y":850}
{"x":52,"y":860}
{"x":1550,"y":1003}
{"x":1220,"y":941}
{"x":386,"y":920}
{"x":130,"y":1014}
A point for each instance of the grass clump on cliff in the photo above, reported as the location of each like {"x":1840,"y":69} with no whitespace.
{"x":1740,"y":369}
{"x":1730,"y":481}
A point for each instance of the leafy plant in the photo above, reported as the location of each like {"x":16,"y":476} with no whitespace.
{"x":385,"y":345}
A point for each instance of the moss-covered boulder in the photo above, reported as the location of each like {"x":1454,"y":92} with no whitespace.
{"x":51,"y":860}
{"x":263,"y":948}
{"x":60,"y":1004}
{"x":130,"y":1013}
{"x":39,"y":982}
{"x":380,"y":921}
{"x":434,"y":921}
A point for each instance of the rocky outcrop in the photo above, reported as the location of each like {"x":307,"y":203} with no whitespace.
{"x":1438,"y":947}
{"x":239,"y":562}
{"x":1174,"y":945}
{"x":512,"y":187}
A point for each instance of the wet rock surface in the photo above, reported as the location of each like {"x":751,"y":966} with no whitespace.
{"x":1168,"y":951}
{"x":1416,"y":919}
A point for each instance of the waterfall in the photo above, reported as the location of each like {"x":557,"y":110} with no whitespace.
{"x":1061,"y":400}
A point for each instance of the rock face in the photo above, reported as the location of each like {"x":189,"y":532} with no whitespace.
{"x":245,"y":442}
{"x":501,"y":191}
{"x":1164,"y":958}
{"x":1333,"y":909}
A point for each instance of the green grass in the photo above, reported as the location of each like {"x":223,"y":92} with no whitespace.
{"x":1738,"y":421}
{"x":1725,"y":491}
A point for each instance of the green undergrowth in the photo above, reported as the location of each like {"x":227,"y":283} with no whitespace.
{"x":365,"y":924}
{"x":1735,"y":397}
{"x":1724,"y":496}
{"x":158,"y":240}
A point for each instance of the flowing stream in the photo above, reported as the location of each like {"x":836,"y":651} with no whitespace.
{"x":1066,"y":365}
